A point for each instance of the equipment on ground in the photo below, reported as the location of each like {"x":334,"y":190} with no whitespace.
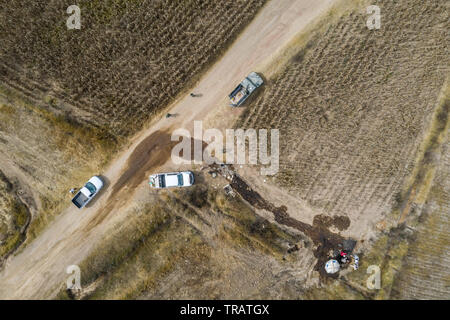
{"x":332,"y":266}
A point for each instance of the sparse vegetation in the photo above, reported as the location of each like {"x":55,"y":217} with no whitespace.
{"x":70,"y":98}
{"x":361,"y":129}
{"x":412,"y":255}
{"x":128,"y":61}
{"x":52,"y":154}
{"x":14,"y":215}
{"x":354,"y":105}
{"x":172,"y":235}
{"x":363,"y":143}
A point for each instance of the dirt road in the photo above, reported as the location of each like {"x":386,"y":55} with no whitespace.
{"x":38,"y":271}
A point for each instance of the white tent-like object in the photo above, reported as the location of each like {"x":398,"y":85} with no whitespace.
{"x":332,"y":266}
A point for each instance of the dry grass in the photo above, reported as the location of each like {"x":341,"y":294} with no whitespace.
{"x":412,"y":256}
{"x":128,"y":61}
{"x":70,"y":98}
{"x":52,"y":154}
{"x":14,"y":215}
{"x":361,"y":128}
{"x":354,"y":108}
{"x":354,"y":105}
{"x":180,"y":248}
{"x":424,"y":273}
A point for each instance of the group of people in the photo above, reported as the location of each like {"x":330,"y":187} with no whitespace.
{"x":192,"y":95}
{"x":345,"y":258}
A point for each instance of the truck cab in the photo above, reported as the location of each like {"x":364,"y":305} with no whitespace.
{"x":88,"y":192}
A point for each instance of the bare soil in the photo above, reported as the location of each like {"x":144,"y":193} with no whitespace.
{"x":128,"y":61}
{"x":353,"y":108}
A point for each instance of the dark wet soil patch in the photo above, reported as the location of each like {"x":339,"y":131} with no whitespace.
{"x":340,"y":222}
{"x":153,"y":152}
{"x":325,"y":240}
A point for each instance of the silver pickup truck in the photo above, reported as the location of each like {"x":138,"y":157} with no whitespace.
{"x":88,"y":192}
{"x":245,"y":89}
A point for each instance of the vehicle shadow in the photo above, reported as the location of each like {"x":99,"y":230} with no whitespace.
{"x":266,"y":81}
{"x":106,"y":184}
{"x":199,"y":177}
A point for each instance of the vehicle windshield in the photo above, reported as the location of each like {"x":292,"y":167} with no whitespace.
{"x":180,"y":179}
{"x":162,"y":181}
{"x":92,"y":189}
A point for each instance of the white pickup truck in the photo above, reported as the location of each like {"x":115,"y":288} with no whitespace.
{"x":87,"y":193}
{"x":172,"y":179}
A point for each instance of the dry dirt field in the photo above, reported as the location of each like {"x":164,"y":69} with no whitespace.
{"x":128,"y":61}
{"x":195,"y":244}
{"x":39,"y":268}
{"x":425,"y":274}
{"x":69,"y":99}
{"x":353,"y":107}
{"x":356,"y":110}
{"x":43,"y":156}
{"x":363,"y":117}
